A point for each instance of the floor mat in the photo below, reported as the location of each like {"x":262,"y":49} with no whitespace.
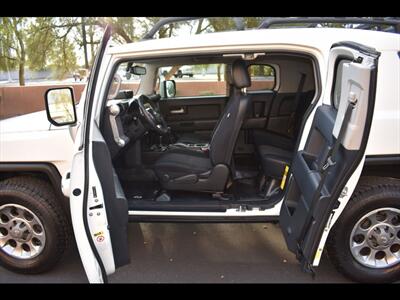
{"x":244,"y":189}
{"x":141,"y":190}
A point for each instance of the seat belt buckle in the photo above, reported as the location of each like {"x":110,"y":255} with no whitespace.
{"x":329,"y":162}
{"x":284,"y":177}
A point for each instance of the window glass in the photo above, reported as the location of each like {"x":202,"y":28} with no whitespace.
{"x":263,"y":77}
{"x":196,"y":80}
{"x":124,"y":80}
{"x":338,"y":83}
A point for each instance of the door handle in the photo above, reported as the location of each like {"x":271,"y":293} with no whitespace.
{"x":177,"y":111}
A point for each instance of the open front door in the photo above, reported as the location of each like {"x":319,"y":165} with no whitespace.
{"x":325,"y":172}
{"x":99,"y":209}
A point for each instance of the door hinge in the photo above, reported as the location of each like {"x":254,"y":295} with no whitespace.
{"x":305,"y":265}
{"x":308,"y":268}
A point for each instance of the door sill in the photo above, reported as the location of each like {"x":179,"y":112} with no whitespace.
{"x":136,"y":218}
{"x":203,"y":205}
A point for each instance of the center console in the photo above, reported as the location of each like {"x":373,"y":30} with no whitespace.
{"x":195,"y":147}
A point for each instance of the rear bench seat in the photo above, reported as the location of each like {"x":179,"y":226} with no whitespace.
{"x":274,"y":160}
{"x":279,"y":149}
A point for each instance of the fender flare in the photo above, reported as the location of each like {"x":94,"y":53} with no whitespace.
{"x":47,"y":169}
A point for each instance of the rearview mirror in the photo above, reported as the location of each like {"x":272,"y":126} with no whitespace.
{"x":60,"y":106}
{"x":138,"y":70}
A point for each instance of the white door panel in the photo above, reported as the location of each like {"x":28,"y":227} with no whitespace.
{"x":89,"y":261}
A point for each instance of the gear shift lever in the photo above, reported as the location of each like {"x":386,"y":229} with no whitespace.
{"x":161,"y":147}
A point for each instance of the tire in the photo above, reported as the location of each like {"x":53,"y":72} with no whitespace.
{"x":37,"y":196}
{"x":372,"y":193}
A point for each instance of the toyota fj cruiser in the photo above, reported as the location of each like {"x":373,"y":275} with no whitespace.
{"x":303,"y":128}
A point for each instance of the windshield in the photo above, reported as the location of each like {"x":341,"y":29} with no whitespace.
{"x":125,"y":80}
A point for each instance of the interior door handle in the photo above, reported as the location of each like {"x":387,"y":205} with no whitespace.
{"x":177,"y":111}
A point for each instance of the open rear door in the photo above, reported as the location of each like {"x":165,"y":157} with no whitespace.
{"x":99,"y":209}
{"x":325,"y":172}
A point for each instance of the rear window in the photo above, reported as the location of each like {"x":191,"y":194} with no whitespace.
{"x":263,"y":77}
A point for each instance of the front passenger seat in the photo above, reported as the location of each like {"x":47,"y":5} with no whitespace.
{"x":208,"y":171}
{"x":194,"y":138}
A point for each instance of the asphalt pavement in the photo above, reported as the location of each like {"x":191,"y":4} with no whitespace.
{"x":195,"y":253}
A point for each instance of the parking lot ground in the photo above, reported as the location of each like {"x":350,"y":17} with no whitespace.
{"x":196,"y":253}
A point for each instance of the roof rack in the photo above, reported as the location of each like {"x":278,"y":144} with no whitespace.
{"x":365,"y":23}
{"x":362,"y":23}
{"x":239,"y":24}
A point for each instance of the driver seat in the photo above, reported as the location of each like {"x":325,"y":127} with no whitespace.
{"x":208,"y":171}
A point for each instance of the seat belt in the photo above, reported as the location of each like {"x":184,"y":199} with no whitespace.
{"x":268,"y":107}
{"x":296,"y":103}
{"x":329,"y":162}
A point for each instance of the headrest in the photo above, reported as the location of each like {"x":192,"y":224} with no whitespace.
{"x":240,"y":75}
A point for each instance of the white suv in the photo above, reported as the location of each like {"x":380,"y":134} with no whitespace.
{"x":303,"y":128}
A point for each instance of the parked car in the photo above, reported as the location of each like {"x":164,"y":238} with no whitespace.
{"x":319,"y":152}
{"x":180,"y":74}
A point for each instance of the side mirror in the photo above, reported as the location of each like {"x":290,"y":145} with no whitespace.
{"x":168,"y":89}
{"x":60,"y":106}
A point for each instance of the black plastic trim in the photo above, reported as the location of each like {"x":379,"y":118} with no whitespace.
{"x":201,"y":205}
{"x":116,"y":208}
{"x":268,"y":21}
{"x":201,"y":219}
{"x":359,"y":47}
{"x":46,"y":168}
{"x":390,"y":159}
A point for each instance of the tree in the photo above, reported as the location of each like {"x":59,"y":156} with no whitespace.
{"x":62,"y":60}
{"x":36,"y":42}
{"x":14,"y":31}
{"x":84,"y":43}
{"x":7,"y":63}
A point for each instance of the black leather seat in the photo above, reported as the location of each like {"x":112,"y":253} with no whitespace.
{"x":276,"y":151}
{"x":263,"y":137}
{"x":194,"y":138}
{"x":274,"y":160}
{"x":180,"y":162}
{"x":208,"y":171}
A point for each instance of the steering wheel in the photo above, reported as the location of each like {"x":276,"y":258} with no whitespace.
{"x":149,"y":111}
